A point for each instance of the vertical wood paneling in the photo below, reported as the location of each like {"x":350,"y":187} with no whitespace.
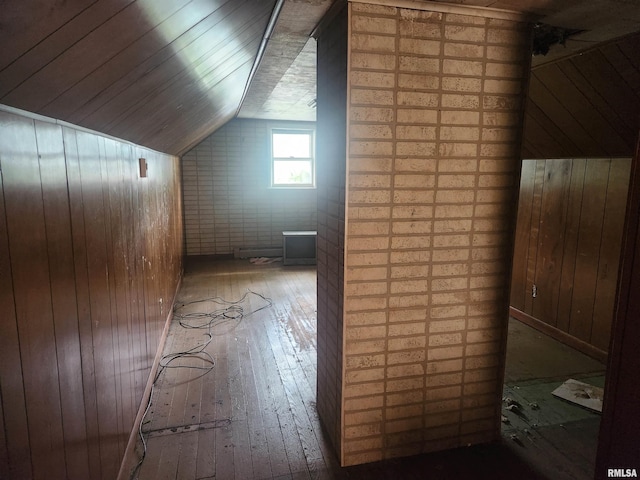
{"x":571,"y":230}
{"x":85,"y":327}
{"x":15,"y":444}
{"x":589,"y":236}
{"x":32,"y":295}
{"x":78,"y":337}
{"x":523,"y":228}
{"x":553,"y":215}
{"x":572,"y":222}
{"x":609,"y":258}
{"x":53,"y":176}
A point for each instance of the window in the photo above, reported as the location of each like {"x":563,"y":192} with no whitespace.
{"x":292,"y":158}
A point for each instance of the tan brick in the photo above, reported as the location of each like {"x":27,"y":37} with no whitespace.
{"x":368,"y":303}
{"x":422,"y":165}
{"x":373,"y":61}
{"x":452,"y":226}
{"x":454,"y":196}
{"x":364,"y":375}
{"x":362,"y":430}
{"x":441,"y":241}
{"x":370,"y":164}
{"x":449,"y":311}
{"x":481,"y":362}
{"x":456,"y":181}
{"x":405,"y":384}
{"x":410,"y":271}
{"x":450,"y":298}
{"x":478,"y":413}
{"x":410,"y":28}
{"x":509,"y":165}
{"x":413,"y":424}
{"x":419,"y":46}
{"x":480,"y":375}
{"x":369,"y":213}
{"x":423,"y":65}
{"x":370,"y":148}
{"x":448,"y":270}
{"x":363,"y":389}
{"x":364,"y":457}
{"x":464,"y":33}
{"x":364,"y":347}
{"x":411,"y":356}
{"x":480,"y":387}
{"x":413,"y":196}
{"x":363,"y":403}
{"x":364,"y":361}
{"x":377,"y":273}
{"x":416,"y":149}
{"x":418,"y":99}
{"x":368,"y":243}
{"x":360,"y":96}
{"x":416,"y":256}
{"x":408,"y":370}
{"x":415,"y":132}
{"x":369,"y":318}
{"x":399,"y":329}
{"x":442,"y":434}
{"x":412,"y":211}
{"x":454,"y":211}
{"x":442,"y":406}
{"x":464,"y":50}
{"x":410,"y":242}
{"x":450,"y":100}
{"x":442,"y":418}
{"x":450,"y":255}
{"x":487,"y":267}
{"x":404,"y":411}
{"x":417,"y":116}
{"x":414,"y":181}
{"x":371,"y":443}
{"x":478,"y":336}
{"x":439,"y":340}
{"x":444,"y":366}
{"x":368,"y":42}
{"x":459,"y":133}
{"x":444,"y":353}
{"x":495,"y":282}
{"x":372,"y":79}
{"x":457,"y":117}
{"x":360,"y":259}
{"x":373,"y":9}
{"x":405,"y":398}
{"x":369,"y":181}
{"x":403,"y":301}
{"x":370,"y":131}
{"x":461,"y":84}
{"x":366,"y":416}
{"x":418,"y":81}
{"x":447,"y":284}
{"x":406,"y":343}
{"x":369,"y":196}
{"x":366,"y":333}
{"x":504,"y":54}
{"x":360,"y":23}
{"x":462,"y":67}
{"x":408,"y":286}
{"x":501,"y":118}
{"x":371,"y":114}
{"x":411,"y":227}
{"x":458,"y":149}
{"x":454,"y":325}
{"x":444,"y":393}
{"x":479,"y":400}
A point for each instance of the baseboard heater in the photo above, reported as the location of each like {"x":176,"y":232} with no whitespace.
{"x":257,"y":252}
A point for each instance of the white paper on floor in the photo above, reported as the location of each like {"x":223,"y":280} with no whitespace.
{"x":581,"y":394}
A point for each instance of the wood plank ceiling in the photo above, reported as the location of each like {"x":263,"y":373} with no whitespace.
{"x":160,"y":73}
{"x":587,"y":105}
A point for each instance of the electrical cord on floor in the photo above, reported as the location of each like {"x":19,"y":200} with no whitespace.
{"x":232,"y":312}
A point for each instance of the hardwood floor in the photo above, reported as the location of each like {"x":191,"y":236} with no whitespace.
{"x":245,"y":409}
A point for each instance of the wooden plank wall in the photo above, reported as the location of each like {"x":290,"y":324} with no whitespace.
{"x":587,"y":105}
{"x":90,"y":259}
{"x":568,"y":242}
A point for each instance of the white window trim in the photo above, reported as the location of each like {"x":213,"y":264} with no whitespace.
{"x":312,"y":159}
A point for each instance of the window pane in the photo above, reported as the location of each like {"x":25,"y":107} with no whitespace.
{"x":291,"y":145}
{"x":292,"y":172}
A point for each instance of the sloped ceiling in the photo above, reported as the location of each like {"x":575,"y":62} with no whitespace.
{"x":167,"y":73}
{"x":160,"y":73}
{"x":587,"y":105}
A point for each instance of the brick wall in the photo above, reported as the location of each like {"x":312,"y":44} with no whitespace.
{"x":332,"y":91}
{"x":434,"y":121}
{"x":227,"y":200}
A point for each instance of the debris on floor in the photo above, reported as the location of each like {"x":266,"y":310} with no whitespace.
{"x":580,"y":393}
{"x":264,"y":260}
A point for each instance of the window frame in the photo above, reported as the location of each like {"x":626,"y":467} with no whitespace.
{"x":312,"y":159}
